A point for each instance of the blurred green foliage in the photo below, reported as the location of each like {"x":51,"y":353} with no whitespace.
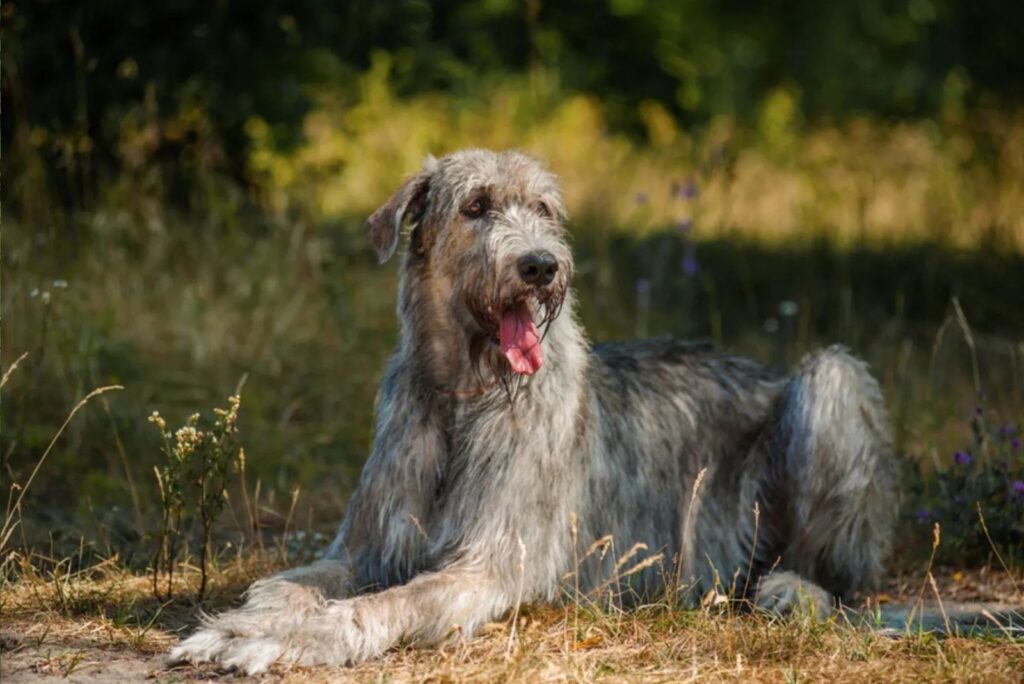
{"x":74,"y":71}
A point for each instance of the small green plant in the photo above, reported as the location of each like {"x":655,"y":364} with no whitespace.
{"x":198,"y":461}
{"x":985,"y":479}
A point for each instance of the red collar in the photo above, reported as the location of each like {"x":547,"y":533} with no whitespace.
{"x":470,"y":392}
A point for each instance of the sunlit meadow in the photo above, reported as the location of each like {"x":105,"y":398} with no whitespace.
{"x":901,"y":240}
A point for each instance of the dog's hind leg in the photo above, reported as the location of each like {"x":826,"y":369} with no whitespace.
{"x":834,"y":465}
{"x":842,"y":474}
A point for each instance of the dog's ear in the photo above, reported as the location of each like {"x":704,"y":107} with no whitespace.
{"x":408,"y":203}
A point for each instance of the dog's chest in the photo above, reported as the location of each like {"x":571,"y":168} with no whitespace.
{"x":506,"y":469}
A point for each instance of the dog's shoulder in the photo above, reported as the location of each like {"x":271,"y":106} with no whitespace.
{"x":634,"y":354}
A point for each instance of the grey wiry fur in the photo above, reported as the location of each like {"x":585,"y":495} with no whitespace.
{"x":485,"y":486}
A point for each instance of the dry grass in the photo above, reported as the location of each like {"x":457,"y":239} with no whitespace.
{"x":102,"y":624}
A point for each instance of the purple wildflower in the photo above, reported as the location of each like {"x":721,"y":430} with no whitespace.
{"x":641,"y":198}
{"x":686,"y":189}
{"x":643,"y":294}
{"x":962,"y":458}
{"x":1015,"y":443}
{"x":1009,"y":429}
{"x":1018,"y":486}
{"x":691,"y":266}
{"x":684,"y":226}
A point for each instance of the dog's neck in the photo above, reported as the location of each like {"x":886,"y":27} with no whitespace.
{"x":434,"y":345}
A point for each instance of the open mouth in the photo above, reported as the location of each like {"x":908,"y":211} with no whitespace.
{"x":519,"y":339}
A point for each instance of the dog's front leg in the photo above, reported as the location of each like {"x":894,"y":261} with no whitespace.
{"x":453,"y":601}
{"x":275,"y":604}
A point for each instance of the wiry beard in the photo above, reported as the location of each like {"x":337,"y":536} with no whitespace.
{"x":486,"y":310}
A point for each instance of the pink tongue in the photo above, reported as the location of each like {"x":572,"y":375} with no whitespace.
{"x":520,"y":342}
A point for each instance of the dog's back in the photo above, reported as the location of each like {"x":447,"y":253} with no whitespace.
{"x":668,"y":410}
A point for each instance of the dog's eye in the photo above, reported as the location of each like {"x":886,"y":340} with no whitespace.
{"x":475,"y":209}
{"x":543,"y":210}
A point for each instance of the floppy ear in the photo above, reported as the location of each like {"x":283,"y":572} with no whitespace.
{"x":385,"y":224}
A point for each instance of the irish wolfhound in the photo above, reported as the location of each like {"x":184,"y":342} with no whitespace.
{"x":505,"y":445}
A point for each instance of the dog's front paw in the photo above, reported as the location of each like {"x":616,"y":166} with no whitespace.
{"x":253,"y":640}
{"x":249,"y":654}
{"x":785,"y":593}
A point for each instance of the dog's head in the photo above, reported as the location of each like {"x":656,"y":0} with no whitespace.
{"x":488,"y":244}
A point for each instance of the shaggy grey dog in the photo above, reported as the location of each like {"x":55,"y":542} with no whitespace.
{"x":506,"y":447}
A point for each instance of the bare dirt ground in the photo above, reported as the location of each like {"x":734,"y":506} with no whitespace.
{"x":110,"y":629}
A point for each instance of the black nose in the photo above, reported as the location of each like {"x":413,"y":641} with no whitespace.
{"x":538,"y":268}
